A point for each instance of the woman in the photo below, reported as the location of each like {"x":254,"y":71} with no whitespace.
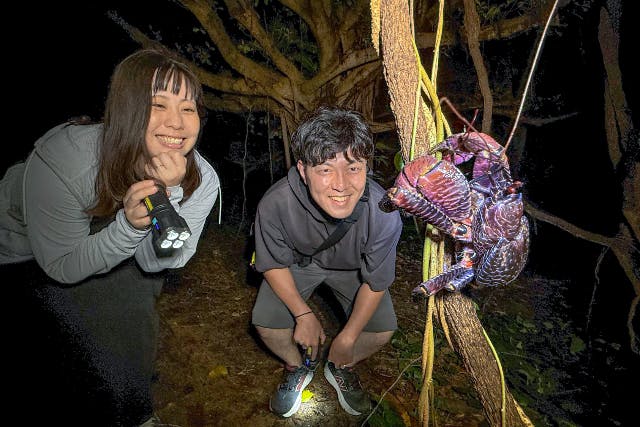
{"x":89,"y":231}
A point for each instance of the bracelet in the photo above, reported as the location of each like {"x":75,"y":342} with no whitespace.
{"x":300,"y":315}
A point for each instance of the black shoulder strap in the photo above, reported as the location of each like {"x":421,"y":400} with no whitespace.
{"x":340,"y":230}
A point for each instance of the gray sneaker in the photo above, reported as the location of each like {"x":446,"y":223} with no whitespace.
{"x":288,"y":397}
{"x":352,"y":398}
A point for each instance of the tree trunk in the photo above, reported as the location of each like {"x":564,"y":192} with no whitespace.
{"x":401,"y":74}
{"x":468,"y":341}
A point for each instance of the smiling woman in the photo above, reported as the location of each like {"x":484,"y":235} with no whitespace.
{"x":77,"y":205}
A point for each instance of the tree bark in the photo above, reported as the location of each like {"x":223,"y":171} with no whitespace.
{"x":401,"y":73}
{"x":468,"y":341}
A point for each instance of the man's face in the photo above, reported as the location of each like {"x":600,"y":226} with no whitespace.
{"x":336,"y":185}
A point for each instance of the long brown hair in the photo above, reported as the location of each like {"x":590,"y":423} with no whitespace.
{"x":126,"y":117}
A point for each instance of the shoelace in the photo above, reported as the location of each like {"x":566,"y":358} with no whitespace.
{"x":293,"y":379}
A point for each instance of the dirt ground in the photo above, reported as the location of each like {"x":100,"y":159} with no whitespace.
{"x":213,"y":371}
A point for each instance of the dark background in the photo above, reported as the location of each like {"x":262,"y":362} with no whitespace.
{"x":58,"y":58}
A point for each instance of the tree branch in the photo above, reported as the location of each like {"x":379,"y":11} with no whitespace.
{"x":211,"y":22}
{"x":501,"y":30}
{"x":247,"y":16}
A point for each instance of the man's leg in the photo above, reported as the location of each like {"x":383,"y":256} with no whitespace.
{"x":377,"y":332}
{"x":274,"y":323}
{"x":369,"y":343}
{"x":280,"y":342}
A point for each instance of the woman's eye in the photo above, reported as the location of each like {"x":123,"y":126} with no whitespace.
{"x":157,"y":105}
{"x":189,"y":110}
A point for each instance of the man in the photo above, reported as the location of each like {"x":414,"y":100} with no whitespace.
{"x":327,"y":190}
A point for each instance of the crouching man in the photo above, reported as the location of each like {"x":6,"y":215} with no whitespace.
{"x":321,"y":224}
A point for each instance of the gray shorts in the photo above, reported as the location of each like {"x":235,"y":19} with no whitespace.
{"x":270,"y":312}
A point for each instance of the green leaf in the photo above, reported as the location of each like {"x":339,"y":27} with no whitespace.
{"x":577,"y":345}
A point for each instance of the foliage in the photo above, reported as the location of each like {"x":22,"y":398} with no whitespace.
{"x":494,"y":11}
{"x":294,"y":41}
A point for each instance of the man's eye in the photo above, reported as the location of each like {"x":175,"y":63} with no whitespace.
{"x":189,"y":110}
{"x":157,"y":105}
{"x":355,"y":169}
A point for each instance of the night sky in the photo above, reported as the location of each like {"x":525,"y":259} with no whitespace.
{"x":62,"y":55}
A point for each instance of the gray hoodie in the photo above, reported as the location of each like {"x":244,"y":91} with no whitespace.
{"x":289,"y":223}
{"x":44,"y":214}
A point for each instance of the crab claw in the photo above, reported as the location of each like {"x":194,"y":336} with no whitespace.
{"x":454,"y":279}
{"x":436,"y":192}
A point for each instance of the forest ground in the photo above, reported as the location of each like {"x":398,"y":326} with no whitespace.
{"x":212,"y":370}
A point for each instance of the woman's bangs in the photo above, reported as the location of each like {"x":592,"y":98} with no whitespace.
{"x":170,"y":78}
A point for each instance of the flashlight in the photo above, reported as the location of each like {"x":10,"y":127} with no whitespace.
{"x":169,"y":229}
{"x":308,"y":361}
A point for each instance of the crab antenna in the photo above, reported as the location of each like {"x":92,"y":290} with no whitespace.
{"x":445,"y":100}
{"x":533,"y":66}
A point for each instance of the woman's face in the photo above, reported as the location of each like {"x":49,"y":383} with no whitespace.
{"x":174,"y":123}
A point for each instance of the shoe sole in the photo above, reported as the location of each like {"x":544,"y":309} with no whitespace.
{"x":332,"y":380}
{"x":298,"y":401}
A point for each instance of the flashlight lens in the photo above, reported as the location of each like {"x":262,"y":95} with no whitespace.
{"x":177,"y":243}
{"x":172,"y":235}
{"x":184,"y":235}
{"x":165,"y":244}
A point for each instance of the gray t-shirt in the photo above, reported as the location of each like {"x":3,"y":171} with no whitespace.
{"x":288,"y":224}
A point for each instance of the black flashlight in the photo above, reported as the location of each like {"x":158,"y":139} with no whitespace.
{"x":169,"y":229}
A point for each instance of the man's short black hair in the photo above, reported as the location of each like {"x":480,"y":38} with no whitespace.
{"x":329,"y":131}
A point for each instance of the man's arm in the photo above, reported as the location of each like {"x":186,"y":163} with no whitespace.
{"x":365,"y":305}
{"x":282,"y":283}
{"x":308,"y":331}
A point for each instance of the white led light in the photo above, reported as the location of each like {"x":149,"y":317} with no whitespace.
{"x":184,"y":235}
{"x":178,"y":243}
{"x":172,"y":235}
{"x":165,"y":244}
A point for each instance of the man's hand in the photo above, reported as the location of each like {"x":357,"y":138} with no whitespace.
{"x":134,"y":209}
{"x":168,"y":168}
{"x":309,"y":333}
{"x":341,"y":352}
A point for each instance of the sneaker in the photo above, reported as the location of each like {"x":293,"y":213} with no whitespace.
{"x":287,"y":399}
{"x":352,"y":398}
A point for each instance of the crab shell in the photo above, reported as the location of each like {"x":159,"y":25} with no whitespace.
{"x":501,"y":239}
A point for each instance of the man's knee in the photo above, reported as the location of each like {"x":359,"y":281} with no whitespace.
{"x":271,"y":334}
{"x":383,"y":338}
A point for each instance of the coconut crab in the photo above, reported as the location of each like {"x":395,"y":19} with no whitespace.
{"x":484,"y":215}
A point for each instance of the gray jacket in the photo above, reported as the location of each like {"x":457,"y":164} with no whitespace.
{"x":43,"y":204}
